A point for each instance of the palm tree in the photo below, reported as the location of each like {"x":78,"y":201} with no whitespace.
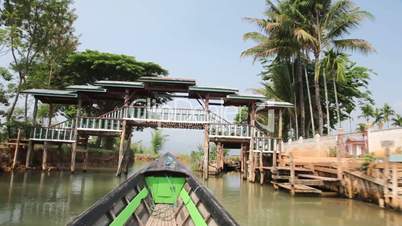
{"x":378,"y":116}
{"x":397,"y":120}
{"x":334,"y":64}
{"x":320,"y":24}
{"x":278,"y":39}
{"x":367,"y":112}
{"x":388,"y":112}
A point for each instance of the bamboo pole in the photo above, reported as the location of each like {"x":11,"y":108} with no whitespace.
{"x":121,"y":147}
{"x":16,"y":150}
{"x":31,"y":144}
{"x":206,"y":140}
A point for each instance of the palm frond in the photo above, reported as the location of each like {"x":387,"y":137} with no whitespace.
{"x":360,"y":45}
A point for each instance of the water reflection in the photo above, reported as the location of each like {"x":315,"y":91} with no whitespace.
{"x":252,"y":204}
{"x":35,"y":198}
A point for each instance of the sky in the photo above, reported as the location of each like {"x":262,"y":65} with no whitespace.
{"x":202,"y":40}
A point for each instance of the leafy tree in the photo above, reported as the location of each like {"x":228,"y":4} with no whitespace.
{"x":241,"y":116}
{"x":90,"y":66}
{"x":32,"y":31}
{"x":378,"y":116}
{"x":157,"y":140}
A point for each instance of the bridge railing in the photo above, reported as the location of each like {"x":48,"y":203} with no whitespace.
{"x":265,"y":144}
{"x":165,"y":114}
{"x":99,"y":124}
{"x":229,"y":130}
{"x":52,"y":134}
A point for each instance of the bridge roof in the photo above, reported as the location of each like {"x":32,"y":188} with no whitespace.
{"x":276,"y":104}
{"x":120,"y":84}
{"x":53,"y":96}
{"x":242,"y":100}
{"x":86,"y":88}
{"x":212,"y":92}
{"x":167,"y":84}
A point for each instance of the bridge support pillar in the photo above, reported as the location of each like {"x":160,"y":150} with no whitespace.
{"x":31,"y":143}
{"x":85,"y":167}
{"x":244,"y":160}
{"x":220,"y":160}
{"x":46,"y":144}
{"x":76,"y":136}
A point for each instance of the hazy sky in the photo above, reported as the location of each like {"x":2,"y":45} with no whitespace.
{"x":203,"y":39}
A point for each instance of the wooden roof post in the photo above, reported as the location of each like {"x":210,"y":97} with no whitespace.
{"x":31,"y":143}
{"x":206,"y":139}
{"x":76,"y":137}
{"x":280,"y":126}
{"x":252,"y":118}
{"x":46,"y":144}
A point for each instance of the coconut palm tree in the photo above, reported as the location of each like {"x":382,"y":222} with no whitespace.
{"x":378,"y":116}
{"x":321,"y":24}
{"x":279,"y":39}
{"x":334,"y":64}
{"x":388,"y":112}
{"x":367,"y":112}
{"x":397,"y":120}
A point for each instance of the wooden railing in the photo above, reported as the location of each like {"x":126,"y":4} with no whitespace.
{"x":229,"y":130}
{"x":265,"y":144}
{"x":52,"y":134}
{"x":99,"y":124}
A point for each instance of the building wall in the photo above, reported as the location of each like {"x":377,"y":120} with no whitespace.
{"x":376,"y":137}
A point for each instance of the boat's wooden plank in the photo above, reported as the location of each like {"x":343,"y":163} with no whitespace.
{"x":161,"y":218}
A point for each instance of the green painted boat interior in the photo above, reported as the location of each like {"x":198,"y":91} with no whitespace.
{"x":166,"y":191}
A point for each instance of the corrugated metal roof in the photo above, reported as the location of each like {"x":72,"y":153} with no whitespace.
{"x":122,"y":84}
{"x":86,"y":88}
{"x":51,"y":93}
{"x":276,"y":104}
{"x":212,"y":89}
{"x":167,"y":80}
{"x":246,"y":97}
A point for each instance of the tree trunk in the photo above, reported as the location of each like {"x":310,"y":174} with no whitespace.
{"x":338,"y":115}
{"x":317,"y":96}
{"x":326,"y":102}
{"x":299,"y":72}
{"x":309,"y":101}
{"x":17,"y":95}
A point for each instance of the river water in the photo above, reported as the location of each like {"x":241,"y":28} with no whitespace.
{"x":36,"y":198}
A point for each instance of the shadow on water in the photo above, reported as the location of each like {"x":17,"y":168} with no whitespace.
{"x":36,"y":198}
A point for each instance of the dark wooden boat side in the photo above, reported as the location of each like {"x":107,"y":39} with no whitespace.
{"x":106,"y":206}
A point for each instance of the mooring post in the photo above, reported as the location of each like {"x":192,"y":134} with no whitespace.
{"x":206,"y":139}
{"x":85,"y":167}
{"x":386,"y":144}
{"x":262,"y":174}
{"x":31,"y":144}
{"x":128,"y":154}
{"x":252,"y":117}
{"x":46,"y":144}
{"x":292,"y":174}
{"x":76,"y":137}
{"x":241,"y":158}
{"x":17,"y":145}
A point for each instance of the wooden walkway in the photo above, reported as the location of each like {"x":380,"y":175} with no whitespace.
{"x":297,"y":188}
{"x":163,"y":215}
